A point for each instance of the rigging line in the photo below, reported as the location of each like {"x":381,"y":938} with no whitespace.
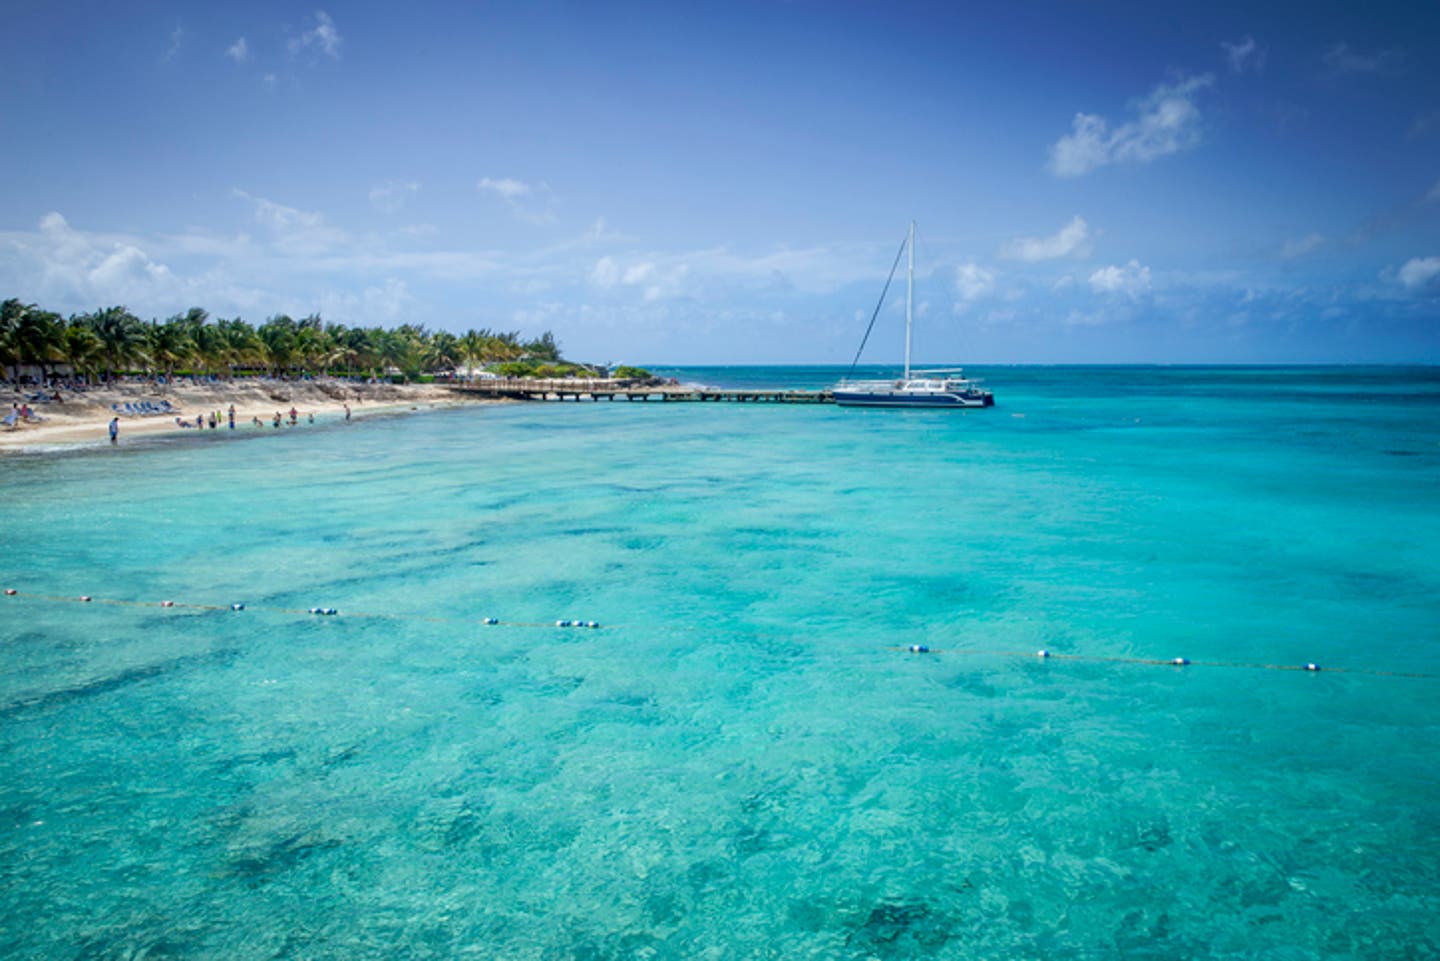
{"x":893,"y":267}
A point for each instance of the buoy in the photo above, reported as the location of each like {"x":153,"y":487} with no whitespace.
{"x":331,"y":610}
{"x":9,"y":592}
{"x":237,"y":607}
{"x":1042,"y":654}
{"x":86,"y":598}
{"x":1180,"y":661}
{"x":562,"y":623}
{"x":919,"y":649}
{"x":1312,"y":667}
{"x":327,"y":611}
{"x":593,"y":624}
{"x":167,"y":603}
{"x":490,"y":620}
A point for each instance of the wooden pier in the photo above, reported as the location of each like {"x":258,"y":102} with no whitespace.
{"x":612,"y":390}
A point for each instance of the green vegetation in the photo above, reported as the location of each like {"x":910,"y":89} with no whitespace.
{"x":533,"y":368}
{"x":114,"y":341}
{"x":626,"y":372}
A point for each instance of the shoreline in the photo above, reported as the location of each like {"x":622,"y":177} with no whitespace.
{"x":80,"y":420}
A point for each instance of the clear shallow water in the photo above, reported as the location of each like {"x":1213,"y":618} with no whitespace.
{"x":740,"y":764}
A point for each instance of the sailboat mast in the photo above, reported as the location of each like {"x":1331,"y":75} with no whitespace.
{"x":909,"y":299}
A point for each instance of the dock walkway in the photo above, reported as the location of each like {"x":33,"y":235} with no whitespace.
{"x":612,"y":390}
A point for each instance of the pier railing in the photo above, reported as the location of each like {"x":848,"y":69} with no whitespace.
{"x":596,"y":389}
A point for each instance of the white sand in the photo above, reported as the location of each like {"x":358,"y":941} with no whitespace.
{"x":82,"y":419}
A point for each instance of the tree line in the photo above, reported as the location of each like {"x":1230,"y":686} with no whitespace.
{"x":114,"y":341}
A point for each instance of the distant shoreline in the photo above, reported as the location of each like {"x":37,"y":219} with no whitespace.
{"x":80,"y":419}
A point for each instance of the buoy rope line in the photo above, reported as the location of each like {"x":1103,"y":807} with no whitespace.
{"x":320,"y":611}
{"x":1175,"y":662}
{"x":925,"y":649}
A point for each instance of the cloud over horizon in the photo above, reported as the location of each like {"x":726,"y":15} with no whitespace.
{"x":1167,"y":121}
{"x":1071,"y":240}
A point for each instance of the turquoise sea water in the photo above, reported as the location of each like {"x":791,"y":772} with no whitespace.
{"x":740,"y":763}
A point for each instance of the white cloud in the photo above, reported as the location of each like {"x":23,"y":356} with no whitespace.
{"x":293,"y":231}
{"x":974,"y":281}
{"x":1246,"y":55}
{"x":1131,"y":279}
{"x":238,"y":51}
{"x":66,"y":266}
{"x":522,"y":198}
{"x":1299,"y":247}
{"x":177,"y":40}
{"x":323,"y":37}
{"x":1073,"y":239}
{"x":654,"y":280}
{"x":1342,"y":59}
{"x":638,"y":273}
{"x":506,"y":188}
{"x":1420,"y":272}
{"x":1168,"y":121}
{"x":606,"y":273}
{"x":391,"y":195}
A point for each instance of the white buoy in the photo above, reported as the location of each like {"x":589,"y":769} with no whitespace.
{"x":919,"y":649}
{"x":86,"y":598}
{"x":1042,"y":654}
{"x":1180,"y":661}
{"x":167,"y":603}
{"x":1312,"y":667}
{"x":237,"y":607}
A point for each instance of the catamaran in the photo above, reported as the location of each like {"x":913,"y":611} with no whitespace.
{"x":948,"y":387}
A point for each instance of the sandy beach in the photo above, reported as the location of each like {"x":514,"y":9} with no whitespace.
{"x":81,"y":419}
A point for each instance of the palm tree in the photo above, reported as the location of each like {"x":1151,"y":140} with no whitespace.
{"x":277,"y":335}
{"x":443,"y":351}
{"x":12,"y":312}
{"x":83,"y":350}
{"x":122,"y":337}
{"x":170,"y":344}
{"x":242,"y":345}
{"x":471,"y":348}
{"x":544,"y":347}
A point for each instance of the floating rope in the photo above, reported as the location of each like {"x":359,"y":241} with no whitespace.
{"x":321,"y":611}
{"x":1043,"y":654}
{"x":1177,"y":662}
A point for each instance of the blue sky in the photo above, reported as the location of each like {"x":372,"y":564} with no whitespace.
{"x":727,"y":183}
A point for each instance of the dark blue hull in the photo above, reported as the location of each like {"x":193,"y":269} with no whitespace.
{"x":856,"y":398}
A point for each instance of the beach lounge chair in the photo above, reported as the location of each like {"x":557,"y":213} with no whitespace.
{"x":12,"y":420}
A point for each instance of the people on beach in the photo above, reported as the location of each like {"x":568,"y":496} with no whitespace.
{"x":276,"y":425}
{"x":294,"y":417}
{"x":347,"y":412}
{"x":232,"y":416}
{"x":312,"y":417}
{"x":212,"y":420}
{"x":114,"y":429}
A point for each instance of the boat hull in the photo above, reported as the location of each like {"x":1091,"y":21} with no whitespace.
{"x":857,"y":398}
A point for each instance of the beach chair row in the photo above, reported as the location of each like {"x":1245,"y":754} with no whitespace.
{"x":144,"y":408}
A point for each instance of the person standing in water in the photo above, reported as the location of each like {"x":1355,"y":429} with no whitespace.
{"x":347,"y":411}
{"x":231,"y":415}
{"x":114,"y":429}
